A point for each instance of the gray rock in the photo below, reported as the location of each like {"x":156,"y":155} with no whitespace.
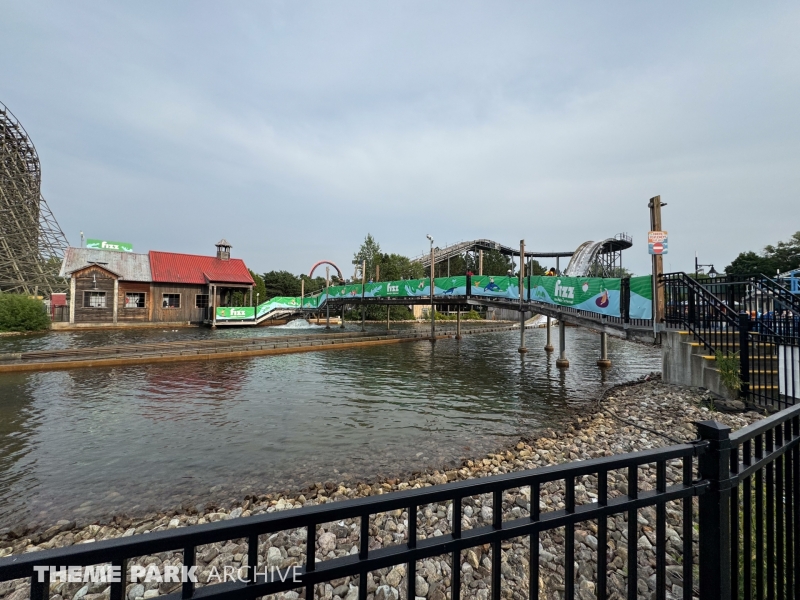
{"x":486,"y":514}
{"x":274,"y":557}
{"x":395,"y":576}
{"x":421,"y":586}
{"x":385,"y":592}
{"x":83,"y":591}
{"x":137,"y":591}
{"x":327,"y":542}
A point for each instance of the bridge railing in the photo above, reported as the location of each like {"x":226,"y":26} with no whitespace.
{"x":742,"y":317}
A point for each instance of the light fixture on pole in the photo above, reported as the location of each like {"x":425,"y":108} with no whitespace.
{"x":698,"y":268}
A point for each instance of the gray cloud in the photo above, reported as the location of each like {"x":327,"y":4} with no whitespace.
{"x":294,"y":129}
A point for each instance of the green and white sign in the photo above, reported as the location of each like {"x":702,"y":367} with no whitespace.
{"x":586,"y":293}
{"x":236,"y":313}
{"x":107,"y":245}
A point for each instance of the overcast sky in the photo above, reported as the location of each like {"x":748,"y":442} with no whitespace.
{"x":295,"y":128}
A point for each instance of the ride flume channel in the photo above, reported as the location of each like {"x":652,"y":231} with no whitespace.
{"x":593,"y":294}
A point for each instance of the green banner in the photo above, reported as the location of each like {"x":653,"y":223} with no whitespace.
{"x":236,"y":313}
{"x":593,"y":294}
{"x":641,"y":297}
{"x":107,"y":245}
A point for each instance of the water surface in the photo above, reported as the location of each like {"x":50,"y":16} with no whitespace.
{"x":87,"y":443}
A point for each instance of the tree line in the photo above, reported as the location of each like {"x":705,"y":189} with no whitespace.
{"x":780,"y":258}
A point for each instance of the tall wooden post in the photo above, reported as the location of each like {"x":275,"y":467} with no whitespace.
{"x":388,"y":317}
{"x":327,"y":298}
{"x":302,"y":292}
{"x":480,"y":262}
{"x":655,"y":205}
{"x":522,"y":348}
{"x":458,"y":322}
{"x":213,"y":307}
{"x":116,"y":300}
{"x":341,"y":321}
{"x":433,"y":308}
{"x":72,"y":299}
{"x":363,"y":281}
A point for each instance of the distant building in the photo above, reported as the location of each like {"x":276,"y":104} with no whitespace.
{"x":109,"y":287}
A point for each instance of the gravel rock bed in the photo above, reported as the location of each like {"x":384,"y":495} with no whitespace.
{"x":628,"y":418}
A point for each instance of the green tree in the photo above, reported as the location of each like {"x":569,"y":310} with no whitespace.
{"x":281,"y":283}
{"x":784,"y":256}
{"x":370,"y":251}
{"x":750,"y":262}
{"x":259,"y":290}
{"x":494,"y":263}
{"x":21,"y":313}
{"x":396,"y":266}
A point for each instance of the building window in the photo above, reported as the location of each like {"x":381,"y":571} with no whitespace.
{"x":201,"y":301}
{"x":94,"y":299}
{"x":134,"y":299}
{"x":171,"y":301}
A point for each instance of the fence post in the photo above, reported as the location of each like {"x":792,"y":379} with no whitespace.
{"x":625,"y":299}
{"x":715,"y":508}
{"x":744,"y":354}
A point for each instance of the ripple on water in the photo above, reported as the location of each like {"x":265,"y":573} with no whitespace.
{"x":90,"y":442}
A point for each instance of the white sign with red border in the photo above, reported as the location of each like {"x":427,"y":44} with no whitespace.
{"x":657,"y":242}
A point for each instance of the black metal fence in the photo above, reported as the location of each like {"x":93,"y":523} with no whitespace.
{"x":752,"y":318}
{"x":738,"y":492}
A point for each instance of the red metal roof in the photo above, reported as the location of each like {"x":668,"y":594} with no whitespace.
{"x":172,"y":267}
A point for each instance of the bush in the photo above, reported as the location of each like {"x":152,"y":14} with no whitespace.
{"x":20,"y":313}
{"x":472,"y":315}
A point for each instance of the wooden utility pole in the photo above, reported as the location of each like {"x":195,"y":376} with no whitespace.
{"x":363,"y":282}
{"x":655,"y":205}
{"x":522,"y":348}
{"x":327,"y":298}
{"x":480,"y":262}
{"x":433,"y":308}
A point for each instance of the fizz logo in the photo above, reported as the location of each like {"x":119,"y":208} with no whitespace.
{"x":392,"y":289}
{"x":563,"y":291}
{"x":237,"y":313}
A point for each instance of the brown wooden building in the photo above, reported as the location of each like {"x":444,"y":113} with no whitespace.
{"x":108,"y":287}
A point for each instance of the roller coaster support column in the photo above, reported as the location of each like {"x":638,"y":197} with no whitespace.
{"x":549,"y":346}
{"x":327,"y":298}
{"x":562,"y":361}
{"x":522,"y":348}
{"x":341,"y":325}
{"x":363,"y":281}
{"x":458,"y":322}
{"x":603,"y":360}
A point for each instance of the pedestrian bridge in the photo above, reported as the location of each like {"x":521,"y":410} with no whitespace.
{"x":621,"y":307}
